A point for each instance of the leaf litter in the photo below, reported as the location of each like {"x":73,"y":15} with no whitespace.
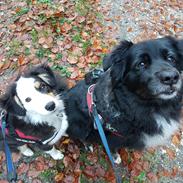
{"x":73,"y":38}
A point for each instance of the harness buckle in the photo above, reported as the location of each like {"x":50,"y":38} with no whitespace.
{"x":3,"y":114}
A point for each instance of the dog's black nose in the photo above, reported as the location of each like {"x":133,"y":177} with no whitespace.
{"x":50,"y":106}
{"x":168,"y":77}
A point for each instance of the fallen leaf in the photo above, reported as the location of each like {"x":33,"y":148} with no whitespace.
{"x":72,"y":59}
{"x":59,"y":177}
{"x":176,"y":140}
{"x":41,"y":40}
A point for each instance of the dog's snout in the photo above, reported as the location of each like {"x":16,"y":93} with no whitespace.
{"x":168,"y":77}
{"x":50,"y":106}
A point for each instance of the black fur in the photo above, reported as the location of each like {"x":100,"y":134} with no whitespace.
{"x":126,"y":95}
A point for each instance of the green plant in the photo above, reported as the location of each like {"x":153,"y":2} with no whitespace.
{"x":27,"y":51}
{"x":44,"y":1}
{"x":58,"y":56}
{"x":77,"y":38}
{"x":141,"y":177}
{"x":22,"y":11}
{"x":14,"y":47}
{"x":63,"y":70}
{"x":83,"y":158}
{"x":82,"y":7}
{"x":42,"y":18}
{"x":48,"y":175}
{"x":83,"y":179}
{"x":34,"y":35}
{"x":85,"y":46}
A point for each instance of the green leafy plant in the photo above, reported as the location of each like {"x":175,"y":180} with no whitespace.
{"x":22,"y":11}
{"x":34,"y":35}
{"x":48,"y":175}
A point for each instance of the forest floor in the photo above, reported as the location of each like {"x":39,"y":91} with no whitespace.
{"x":72,"y":36}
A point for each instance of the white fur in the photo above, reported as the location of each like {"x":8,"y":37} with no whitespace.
{"x":174,"y":94}
{"x":25,"y":150}
{"x":26,"y":88}
{"x":167,"y":97}
{"x":55,"y":154}
{"x":117,"y":158}
{"x":168,"y":129}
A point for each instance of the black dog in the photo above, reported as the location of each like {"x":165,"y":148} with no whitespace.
{"x":138,"y":96}
{"x":35,"y":111}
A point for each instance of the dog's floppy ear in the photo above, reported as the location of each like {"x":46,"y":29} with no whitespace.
{"x":117,"y":60}
{"x":10,"y":102}
{"x":43,"y":72}
{"x":117,"y":55}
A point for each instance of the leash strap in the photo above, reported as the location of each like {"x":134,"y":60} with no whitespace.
{"x":93,"y":111}
{"x":11,"y":172}
{"x":104,"y":141}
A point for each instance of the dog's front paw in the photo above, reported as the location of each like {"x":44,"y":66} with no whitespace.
{"x":117,"y":158}
{"x":55,"y":154}
{"x":26,"y":151}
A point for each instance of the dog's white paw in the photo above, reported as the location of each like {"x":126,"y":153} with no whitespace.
{"x":26,"y":151}
{"x":55,"y":154}
{"x":117,"y":158}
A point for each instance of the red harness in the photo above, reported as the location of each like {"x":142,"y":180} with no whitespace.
{"x":20,"y":136}
{"x":90,"y":104}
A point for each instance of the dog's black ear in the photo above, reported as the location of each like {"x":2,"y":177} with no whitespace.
{"x":10,"y":102}
{"x":117,"y":55}
{"x":43,"y":72}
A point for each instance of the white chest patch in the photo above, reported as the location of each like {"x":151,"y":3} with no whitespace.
{"x":168,"y":129}
{"x":58,"y":120}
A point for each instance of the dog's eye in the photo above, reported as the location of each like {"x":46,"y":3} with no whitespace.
{"x":141,"y":65}
{"x":43,"y":87}
{"x":28,"y":99}
{"x":171,"y":59}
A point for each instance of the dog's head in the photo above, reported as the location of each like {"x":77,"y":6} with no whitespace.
{"x":37,"y":91}
{"x":150,"y":69}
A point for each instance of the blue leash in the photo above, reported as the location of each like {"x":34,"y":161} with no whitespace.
{"x":104,"y":141}
{"x":11,"y":172}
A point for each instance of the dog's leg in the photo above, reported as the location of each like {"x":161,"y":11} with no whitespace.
{"x":55,"y":154}
{"x":25,"y":150}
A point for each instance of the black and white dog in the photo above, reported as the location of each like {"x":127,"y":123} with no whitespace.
{"x":35,"y":111}
{"x":138,"y":96}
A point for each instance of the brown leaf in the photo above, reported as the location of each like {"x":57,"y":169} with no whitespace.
{"x":152,"y":177}
{"x":41,"y":40}
{"x":81,"y":19}
{"x":110,"y":177}
{"x":21,"y":60}
{"x":74,"y":74}
{"x":49,"y":40}
{"x":124,"y":156}
{"x":22,"y":168}
{"x":170,"y":153}
{"x":72,"y":59}
{"x":176,"y":140}
{"x":129,"y":29}
{"x":100,"y":172}
{"x":68,"y":179}
{"x":59,"y":177}
{"x":66,"y":27}
{"x":89,"y":171}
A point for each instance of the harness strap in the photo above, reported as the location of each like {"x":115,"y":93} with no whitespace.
{"x":98,"y":123}
{"x":11,"y":172}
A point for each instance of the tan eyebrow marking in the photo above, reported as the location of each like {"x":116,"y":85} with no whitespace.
{"x":37,"y":84}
